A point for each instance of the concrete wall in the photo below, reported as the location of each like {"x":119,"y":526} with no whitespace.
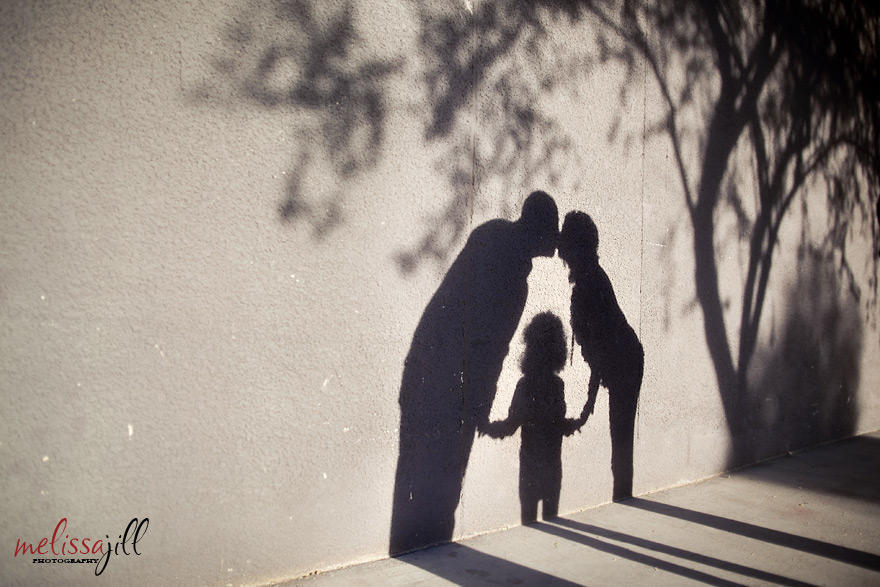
{"x":221,"y":223}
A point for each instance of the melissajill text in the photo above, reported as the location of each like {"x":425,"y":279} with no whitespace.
{"x":69,"y":547}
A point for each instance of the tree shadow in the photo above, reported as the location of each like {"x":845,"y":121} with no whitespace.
{"x":787,"y":87}
{"x":306,"y":59}
{"x":485,"y":73}
{"x":482,"y":74}
{"x":765,"y":105}
{"x":804,"y":382}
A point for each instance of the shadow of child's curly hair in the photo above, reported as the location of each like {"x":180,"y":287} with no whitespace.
{"x":545,"y":344}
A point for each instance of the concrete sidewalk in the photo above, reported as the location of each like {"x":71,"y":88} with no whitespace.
{"x":810,"y":518}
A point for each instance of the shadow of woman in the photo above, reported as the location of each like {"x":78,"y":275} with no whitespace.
{"x":608,"y":343}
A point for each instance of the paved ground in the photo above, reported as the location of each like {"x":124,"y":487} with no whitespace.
{"x":810,"y":518}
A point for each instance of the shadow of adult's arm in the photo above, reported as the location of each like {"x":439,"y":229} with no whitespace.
{"x":515,"y":417}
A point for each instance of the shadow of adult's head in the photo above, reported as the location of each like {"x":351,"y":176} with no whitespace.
{"x":539,"y":224}
{"x":608,"y":344}
{"x":452,"y":368}
{"x":579,"y":242}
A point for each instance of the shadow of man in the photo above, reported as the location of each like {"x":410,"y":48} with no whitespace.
{"x":451,"y":372}
{"x":608,"y":343}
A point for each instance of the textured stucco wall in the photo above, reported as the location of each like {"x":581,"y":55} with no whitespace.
{"x":173,"y":346}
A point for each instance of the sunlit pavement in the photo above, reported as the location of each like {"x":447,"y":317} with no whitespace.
{"x":808,"y":518}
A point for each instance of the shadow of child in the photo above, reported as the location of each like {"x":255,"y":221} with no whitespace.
{"x":538,"y":407}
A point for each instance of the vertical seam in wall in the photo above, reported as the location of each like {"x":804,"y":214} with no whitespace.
{"x":475,"y":100}
{"x":642,"y":219}
{"x":475,"y":113}
{"x":642,"y":196}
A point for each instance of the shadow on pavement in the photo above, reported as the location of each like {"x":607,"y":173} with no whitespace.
{"x":801,"y":543}
{"x":829,"y":469}
{"x":632,"y":555}
{"x":466,"y":566}
{"x":679,"y":552}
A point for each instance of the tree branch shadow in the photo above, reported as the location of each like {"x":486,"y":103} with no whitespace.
{"x":306,"y":59}
{"x":485,"y":75}
{"x":790,"y":84}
